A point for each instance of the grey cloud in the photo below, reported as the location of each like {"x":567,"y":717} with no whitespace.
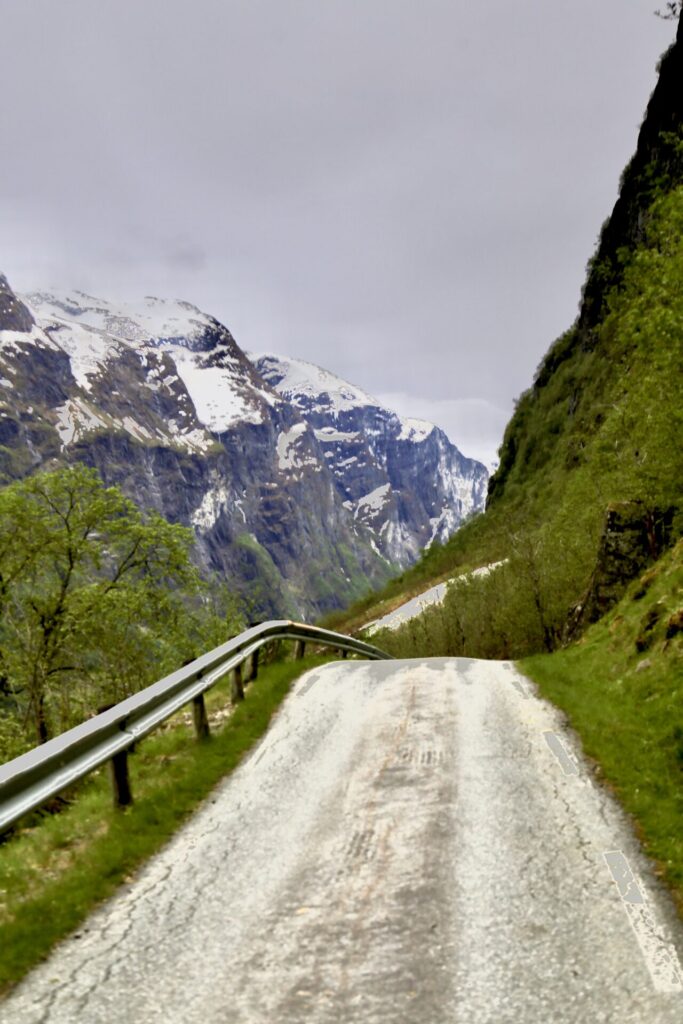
{"x":405,"y":192}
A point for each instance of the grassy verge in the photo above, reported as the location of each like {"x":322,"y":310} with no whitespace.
{"x":57,"y":868}
{"x":622,"y":690}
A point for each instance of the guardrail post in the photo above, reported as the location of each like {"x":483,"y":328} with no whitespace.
{"x":299,"y":649}
{"x":35,"y":777}
{"x":252,"y":670}
{"x":344,"y":653}
{"x":200,"y":718}
{"x":119,"y":779}
{"x":237,"y":692}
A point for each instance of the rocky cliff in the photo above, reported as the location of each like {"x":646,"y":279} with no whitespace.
{"x":163,"y":402}
{"x":402,"y":478}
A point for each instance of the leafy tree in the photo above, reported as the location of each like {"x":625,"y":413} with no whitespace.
{"x":98,"y":599}
{"x":672,"y":10}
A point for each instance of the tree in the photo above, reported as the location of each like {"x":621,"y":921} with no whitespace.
{"x":672,"y":11}
{"x":93,"y":595}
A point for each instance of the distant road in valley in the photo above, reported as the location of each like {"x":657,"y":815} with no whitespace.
{"x":413,"y":842}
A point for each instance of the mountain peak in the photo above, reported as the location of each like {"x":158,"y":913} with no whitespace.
{"x":299,"y":381}
{"x":402,"y":478}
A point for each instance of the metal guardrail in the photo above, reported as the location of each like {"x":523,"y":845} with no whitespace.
{"x":34,"y":778}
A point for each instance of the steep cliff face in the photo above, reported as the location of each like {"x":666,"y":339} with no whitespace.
{"x":163,"y":402}
{"x":402,"y":478}
{"x":656,"y":167}
{"x":566,"y":374}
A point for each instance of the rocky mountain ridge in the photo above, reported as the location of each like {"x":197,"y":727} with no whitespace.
{"x":300,"y":500}
{"x":380,"y":461}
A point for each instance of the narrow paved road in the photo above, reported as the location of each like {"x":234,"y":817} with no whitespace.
{"x":413,"y":842}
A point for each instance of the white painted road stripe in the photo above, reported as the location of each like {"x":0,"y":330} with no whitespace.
{"x":519,"y":688}
{"x":659,"y":955}
{"x":566,"y":760}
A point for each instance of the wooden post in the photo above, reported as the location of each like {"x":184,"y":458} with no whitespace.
{"x":299,"y":649}
{"x":237,"y":687}
{"x":252,"y":670}
{"x":200,"y":717}
{"x":119,"y":780}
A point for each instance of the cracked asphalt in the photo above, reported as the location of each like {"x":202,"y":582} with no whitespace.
{"x":412,"y":841}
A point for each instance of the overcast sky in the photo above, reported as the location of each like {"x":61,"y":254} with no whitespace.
{"x":404,"y":191}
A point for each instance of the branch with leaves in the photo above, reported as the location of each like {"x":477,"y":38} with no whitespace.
{"x":672,"y":11}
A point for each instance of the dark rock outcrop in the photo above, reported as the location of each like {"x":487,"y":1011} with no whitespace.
{"x":14,"y":315}
{"x":633,"y":537}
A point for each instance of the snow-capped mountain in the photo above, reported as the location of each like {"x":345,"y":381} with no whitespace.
{"x":161,"y":399}
{"x":183,"y":354}
{"x":402,"y":478}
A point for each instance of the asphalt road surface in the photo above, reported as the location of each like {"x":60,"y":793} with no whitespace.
{"x":413,"y":841}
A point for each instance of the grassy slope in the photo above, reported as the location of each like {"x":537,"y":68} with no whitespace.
{"x":57,"y":868}
{"x":627,"y":705}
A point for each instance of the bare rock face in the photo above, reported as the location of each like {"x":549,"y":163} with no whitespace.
{"x":14,"y":315}
{"x":402,"y":478}
{"x":632,"y":537}
{"x":163,"y":402}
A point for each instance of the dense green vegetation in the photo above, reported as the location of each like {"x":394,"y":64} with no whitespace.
{"x":97,"y":600}
{"x":622,"y":690}
{"x":59,"y":866}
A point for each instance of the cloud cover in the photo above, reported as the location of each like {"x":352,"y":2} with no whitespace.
{"x":406,"y":193}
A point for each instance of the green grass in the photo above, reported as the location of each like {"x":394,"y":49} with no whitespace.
{"x":56,"y":868}
{"x":626,"y":704}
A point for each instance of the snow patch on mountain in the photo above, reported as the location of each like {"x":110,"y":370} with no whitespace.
{"x":328,"y":435}
{"x":10,"y":339}
{"x":303,"y":382}
{"x":178,"y":348}
{"x":151,"y":319}
{"x":213,"y":503}
{"x":372,"y":503}
{"x":415,"y":430}
{"x":74,"y":419}
{"x":88,"y":348}
{"x":287,"y":455}
{"x":217,"y":392}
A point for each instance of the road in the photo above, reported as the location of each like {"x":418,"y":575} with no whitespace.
{"x":416,"y":605}
{"x":413,"y":841}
